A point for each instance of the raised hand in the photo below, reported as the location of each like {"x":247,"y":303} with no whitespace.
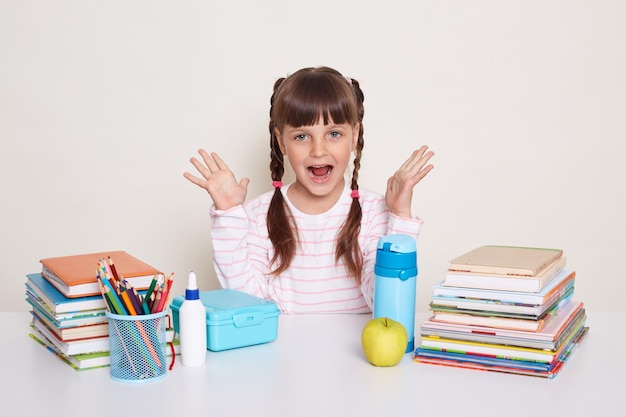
{"x":218,"y":180}
{"x":400,"y":185}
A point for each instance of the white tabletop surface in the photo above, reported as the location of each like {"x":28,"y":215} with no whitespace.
{"x":314,"y":368}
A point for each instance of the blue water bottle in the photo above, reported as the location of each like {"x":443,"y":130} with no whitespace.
{"x":395,"y":282}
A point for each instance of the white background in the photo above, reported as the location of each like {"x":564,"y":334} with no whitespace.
{"x":102,"y":103}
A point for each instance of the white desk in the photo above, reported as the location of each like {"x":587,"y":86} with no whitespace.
{"x":314,"y":368}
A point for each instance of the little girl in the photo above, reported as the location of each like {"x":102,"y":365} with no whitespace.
{"x":309,"y":246}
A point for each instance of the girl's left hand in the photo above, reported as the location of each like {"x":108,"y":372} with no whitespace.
{"x":400,"y":186}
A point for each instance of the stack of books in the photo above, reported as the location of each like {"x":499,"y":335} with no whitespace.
{"x":505,"y":309}
{"x":68,"y":310}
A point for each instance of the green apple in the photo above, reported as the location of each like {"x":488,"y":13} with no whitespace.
{"x":384,"y":341}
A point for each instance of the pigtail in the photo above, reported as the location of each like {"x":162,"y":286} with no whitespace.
{"x":281,"y":227}
{"x":348,"y":246}
{"x":301,"y":100}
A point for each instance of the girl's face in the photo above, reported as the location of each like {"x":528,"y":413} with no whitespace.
{"x":319,"y":156}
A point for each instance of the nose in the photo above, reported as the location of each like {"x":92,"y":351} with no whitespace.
{"x":318,"y":148}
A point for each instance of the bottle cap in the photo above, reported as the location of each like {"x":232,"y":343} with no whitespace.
{"x":396,"y":257}
{"x":192,"y":292}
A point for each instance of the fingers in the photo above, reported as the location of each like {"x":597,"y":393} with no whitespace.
{"x":194,"y":179}
{"x":203,"y":169}
{"x":219,"y":162}
{"x":415,"y":157}
{"x":200,"y":167}
{"x":209,"y":160}
{"x":416,"y":166}
{"x":422,"y":173}
{"x":212,"y":163}
{"x":419,"y":158}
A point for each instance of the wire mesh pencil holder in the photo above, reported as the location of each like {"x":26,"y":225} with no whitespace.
{"x":138,"y":347}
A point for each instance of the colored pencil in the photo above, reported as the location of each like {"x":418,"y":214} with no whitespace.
{"x":113,"y":270}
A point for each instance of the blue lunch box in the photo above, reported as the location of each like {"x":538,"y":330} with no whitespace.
{"x":234,"y":319}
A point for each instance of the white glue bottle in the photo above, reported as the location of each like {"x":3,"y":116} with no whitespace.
{"x":192,"y":326}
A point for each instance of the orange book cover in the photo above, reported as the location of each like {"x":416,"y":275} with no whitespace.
{"x":75,"y":275}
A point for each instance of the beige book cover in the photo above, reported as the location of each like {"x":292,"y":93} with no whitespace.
{"x":507,"y":260}
{"x":505,"y":282}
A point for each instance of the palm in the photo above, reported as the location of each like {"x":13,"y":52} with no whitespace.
{"x":224,"y":189}
{"x":219,"y":181}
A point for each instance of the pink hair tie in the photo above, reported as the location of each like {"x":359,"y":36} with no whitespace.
{"x":355,"y":194}
{"x":277,"y":184}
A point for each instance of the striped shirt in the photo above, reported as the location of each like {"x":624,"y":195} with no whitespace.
{"x":314,"y":282}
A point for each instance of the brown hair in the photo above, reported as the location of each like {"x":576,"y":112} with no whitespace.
{"x":301,"y":100}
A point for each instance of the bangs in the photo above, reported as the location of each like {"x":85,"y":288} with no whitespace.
{"x":308,"y":96}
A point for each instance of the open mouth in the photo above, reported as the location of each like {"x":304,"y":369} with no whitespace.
{"x":320,"y":172}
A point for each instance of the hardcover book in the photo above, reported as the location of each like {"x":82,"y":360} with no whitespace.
{"x":469,"y":306}
{"x":511,"y":323}
{"x":66,"y":333}
{"x":92,"y":360}
{"x":75,"y":275}
{"x":555,"y":288}
{"x":62,"y":320}
{"x":501,"y":364}
{"x":507,"y":260}
{"x":557,"y":325}
{"x":505,"y":282}
{"x":72,"y":347}
{"x":39,"y":287}
{"x":78,"y":362}
{"x":498,"y":350}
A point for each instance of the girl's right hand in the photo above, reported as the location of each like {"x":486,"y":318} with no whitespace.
{"x":219,"y":181}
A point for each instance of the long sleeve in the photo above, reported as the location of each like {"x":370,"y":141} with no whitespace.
{"x":314,"y":282}
{"x":241,"y":247}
